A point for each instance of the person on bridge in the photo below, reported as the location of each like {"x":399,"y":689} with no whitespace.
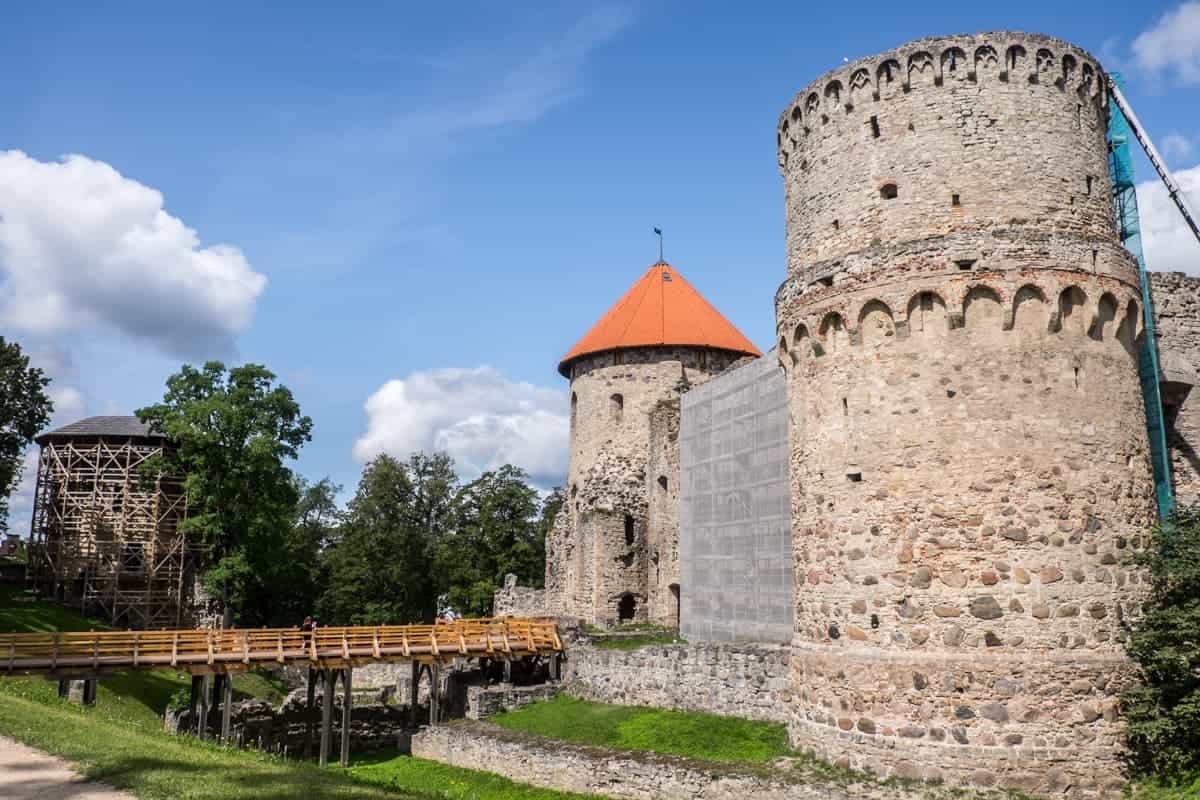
{"x":306,"y":628}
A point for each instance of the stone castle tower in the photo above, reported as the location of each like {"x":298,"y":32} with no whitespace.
{"x":969,"y":466}
{"x":613,"y":555}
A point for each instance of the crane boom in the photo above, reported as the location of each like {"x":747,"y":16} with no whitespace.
{"x":1156,"y":160}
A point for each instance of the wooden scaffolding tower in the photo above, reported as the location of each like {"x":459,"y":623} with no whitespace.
{"x":105,"y":537}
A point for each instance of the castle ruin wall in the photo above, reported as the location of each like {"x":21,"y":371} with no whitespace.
{"x":1176,"y":300}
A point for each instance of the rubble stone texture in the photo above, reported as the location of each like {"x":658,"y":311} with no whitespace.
{"x":1176,"y":300}
{"x":745,"y":680}
{"x":601,"y":550}
{"x":969,"y":471}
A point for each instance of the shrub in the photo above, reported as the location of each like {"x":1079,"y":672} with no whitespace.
{"x":1163,"y":711}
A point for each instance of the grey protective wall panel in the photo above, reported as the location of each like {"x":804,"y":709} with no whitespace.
{"x":735,"y":536}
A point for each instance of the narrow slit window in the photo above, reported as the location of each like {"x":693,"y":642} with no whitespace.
{"x":1088,"y":190}
{"x":875,"y":127}
{"x":837,"y":225}
{"x":955,"y":200}
{"x":965,"y":264}
{"x":889,"y":191}
{"x":854,"y":477}
{"x":616,"y":405}
{"x":629,"y":533}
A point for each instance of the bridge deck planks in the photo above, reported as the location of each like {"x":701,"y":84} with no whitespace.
{"x":236,"y":650}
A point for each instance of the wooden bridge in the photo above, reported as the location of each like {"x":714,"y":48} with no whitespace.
{"x":328,"y":653}
{"x":203,"y":652}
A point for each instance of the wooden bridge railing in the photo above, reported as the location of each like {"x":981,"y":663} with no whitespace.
{"x":233,"y":650}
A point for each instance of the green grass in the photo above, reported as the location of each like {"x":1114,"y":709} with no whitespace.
{"x":453,"y":783}
{"x":1183,"y":787}
{"x":633,"y":642}
{"x":19,"y":613}
{"x":136,"y":698}
{"x":156,"y":765}
{"x":703,"y":736}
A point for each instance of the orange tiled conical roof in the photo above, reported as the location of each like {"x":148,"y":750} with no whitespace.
{"x":660,"y":309}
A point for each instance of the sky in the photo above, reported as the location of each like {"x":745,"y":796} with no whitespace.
{"x":410,"y":212}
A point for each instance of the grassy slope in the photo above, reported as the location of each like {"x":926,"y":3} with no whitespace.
{"x":138,"y":698}
{"x":119,"y":741}
{"x":451,"y":782}
{"x":703,"y":736}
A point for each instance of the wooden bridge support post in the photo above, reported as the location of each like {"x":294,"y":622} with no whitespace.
{"x":197,"y":681}
{"x":554,"y":667}
{"x":226,"y":706}
{"x":64,"y":688}
{"x":435,"y":674}
{"x":313,"y":677}
{"x":205,"y":692}
{"x":413,"y":694}
{"x":89,"y":691}
{"x":508,"y":670}
{"x":347,"y":700}
{"x":327,"y":715}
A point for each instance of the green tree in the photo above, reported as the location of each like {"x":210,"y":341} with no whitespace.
{"x":231,"y":432}
{"x":380,"y":568}
{"x":24,"y":410}
{"x":1163,"y":711}
{"x":496,"y":531}
{"x":314,"y":527}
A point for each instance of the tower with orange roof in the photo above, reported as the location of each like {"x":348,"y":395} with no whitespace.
{"x":612,"y":555}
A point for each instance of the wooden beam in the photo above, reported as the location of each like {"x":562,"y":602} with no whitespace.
{"x":413,"y":694}
{"x":327,"y":715}
{"x":226,"y":706}
{"x":347,"y":700}
{"x":205,"y":686}
{"x":308,"y":711}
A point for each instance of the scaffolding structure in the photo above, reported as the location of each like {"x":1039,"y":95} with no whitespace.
{"x":105,"y":537}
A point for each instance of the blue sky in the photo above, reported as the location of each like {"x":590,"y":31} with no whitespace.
{"x":425,"y":208}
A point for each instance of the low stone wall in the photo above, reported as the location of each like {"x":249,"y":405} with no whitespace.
{"x":738,"y":680}
{"x":511,"y":600}
{"x":484,"y":701}
{"x":562,"y":766}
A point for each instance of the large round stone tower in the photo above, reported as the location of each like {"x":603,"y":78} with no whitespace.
{"x":969,"y":465}
{"x":613,"y":555}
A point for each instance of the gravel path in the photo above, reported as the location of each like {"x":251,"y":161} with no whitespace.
{"x":26,"y":774}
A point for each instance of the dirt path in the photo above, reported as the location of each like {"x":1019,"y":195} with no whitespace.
{"x":26,"y":774}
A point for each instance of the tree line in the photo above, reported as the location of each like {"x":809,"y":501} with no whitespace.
{"x":412,"y":543}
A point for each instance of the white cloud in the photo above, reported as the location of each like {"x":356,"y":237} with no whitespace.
{"x":478,"y":416}
{"x":81,"y":245}
{"x":1176,"y":147}
{"x":1168,"y":244}
{"x":1172,"y":45}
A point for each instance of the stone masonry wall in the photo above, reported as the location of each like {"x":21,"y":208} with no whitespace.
{"x":736,"y":680}
{"x":969,"y":474}
{"x":511,"y":600}
{"x":563,"y":766}
{"x":1176,"y":299}
{"x":598,"y":552}
{"x":662,"y":523}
